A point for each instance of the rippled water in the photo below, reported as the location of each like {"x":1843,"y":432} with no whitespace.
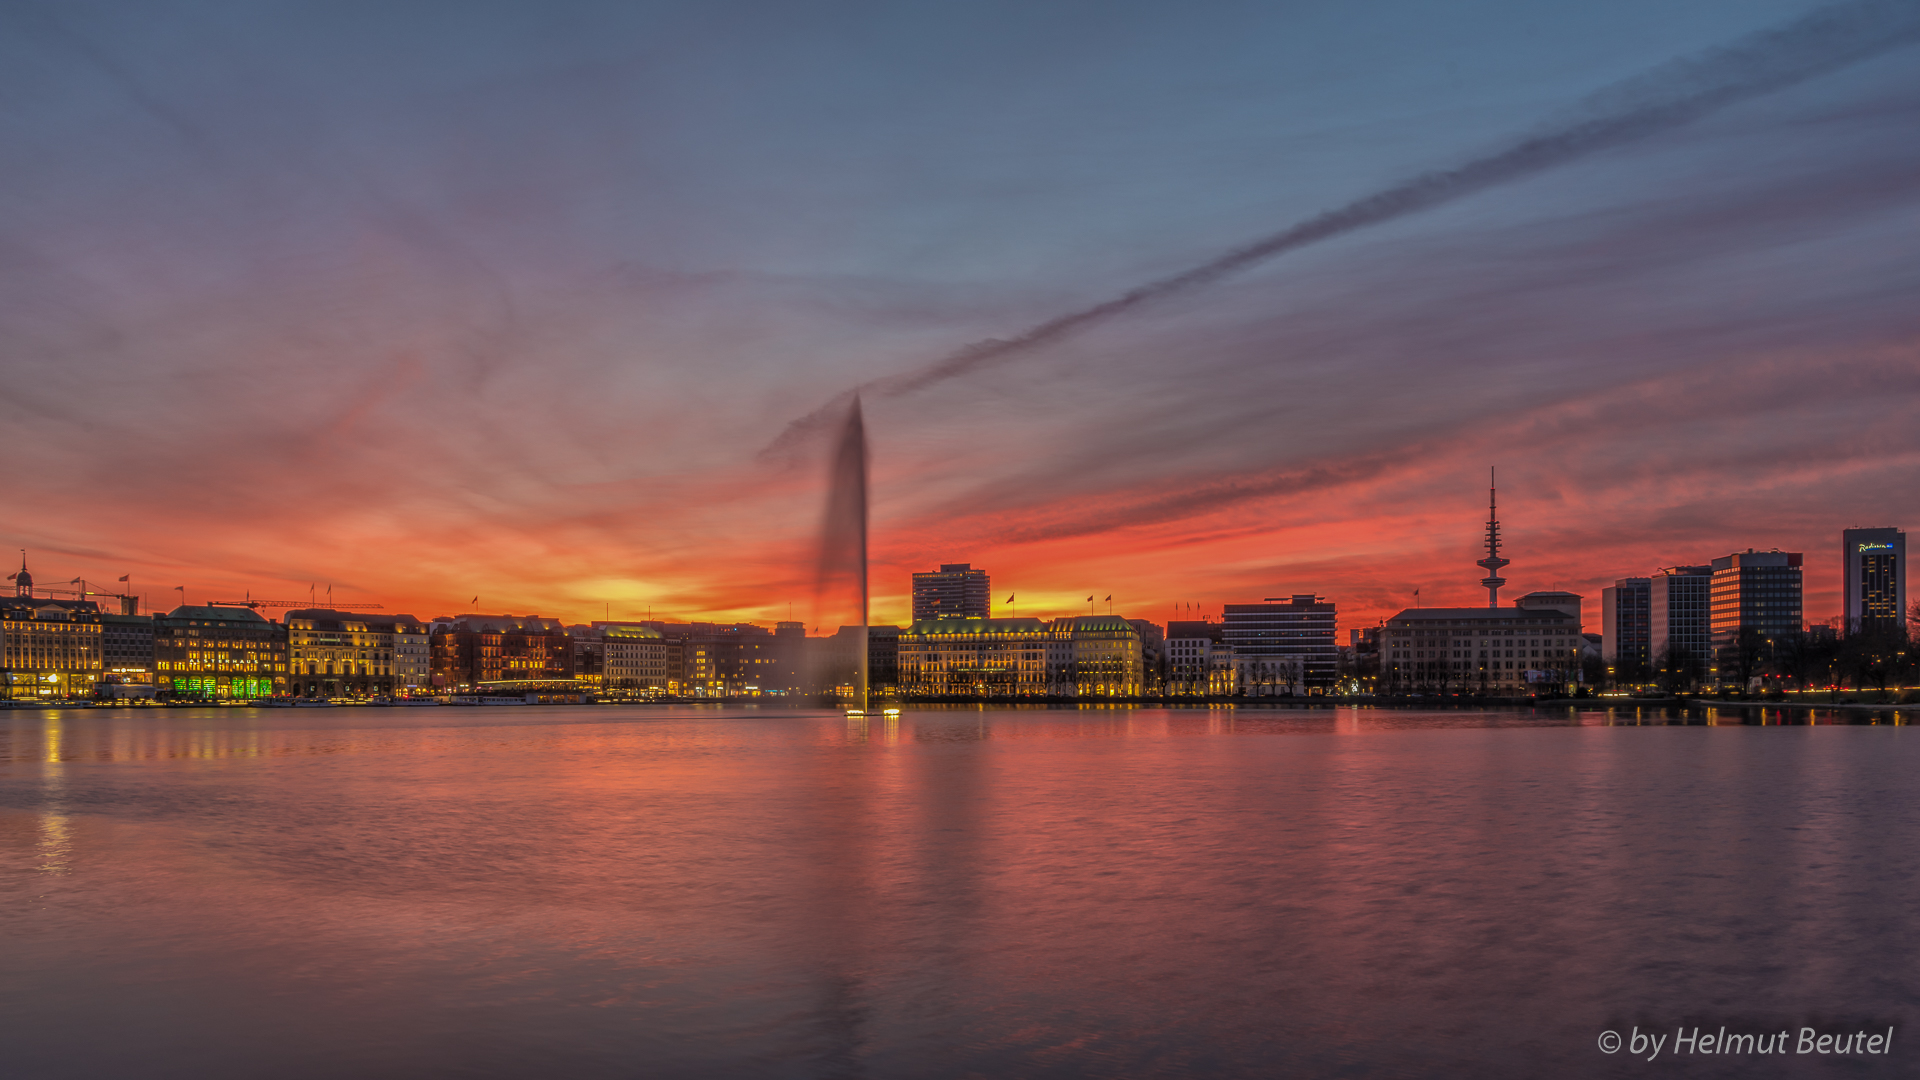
{"x":750,"y":893}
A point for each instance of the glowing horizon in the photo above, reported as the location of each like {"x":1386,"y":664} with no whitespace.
{"x":516,"y":309}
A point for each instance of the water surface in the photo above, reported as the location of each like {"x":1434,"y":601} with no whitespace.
{"x":605,"y":892}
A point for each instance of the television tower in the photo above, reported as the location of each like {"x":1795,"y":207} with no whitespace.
{"x":1493,"y":562}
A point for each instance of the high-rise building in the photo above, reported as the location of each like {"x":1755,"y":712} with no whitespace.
{"x":1755,"y":598}
{"x":1680,"y":621}
{"x":1874,"y":578}
{"x":1284,"y":645}
{"x":955,"y":591}
{"x":1626,"y":625}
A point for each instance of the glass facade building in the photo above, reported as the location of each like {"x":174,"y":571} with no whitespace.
{"x":1873,"y":566}
{"x":1626,"y":625}
{"x":1755,"y":596}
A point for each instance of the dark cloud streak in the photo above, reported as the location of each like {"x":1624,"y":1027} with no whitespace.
{"x":1666,"y":97}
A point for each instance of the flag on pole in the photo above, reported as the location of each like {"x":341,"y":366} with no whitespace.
{"x":1109,"y":597}
{"x":124,"y":577}
{"x":1010,"y":598}
{"x":1089,"y":599}
{"x":475,"y":601}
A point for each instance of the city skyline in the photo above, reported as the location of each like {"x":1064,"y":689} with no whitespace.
{"x":489,"y":318}
{"x":1068,"y":603}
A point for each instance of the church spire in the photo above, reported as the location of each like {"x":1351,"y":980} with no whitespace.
{"x":1493,"y":562}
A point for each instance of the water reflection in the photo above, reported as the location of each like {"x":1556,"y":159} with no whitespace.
{"x":56,"y":830}
{"x":948,"y":893}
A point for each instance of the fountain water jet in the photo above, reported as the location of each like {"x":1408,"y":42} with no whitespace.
{"x":843,"y":536}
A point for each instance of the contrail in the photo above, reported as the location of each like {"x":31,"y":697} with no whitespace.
{"x":1666,"y":97}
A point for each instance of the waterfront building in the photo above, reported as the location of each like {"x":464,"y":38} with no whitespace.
{"x":1283,"y":645}
{"x":1679,"y":622}
{"x":1512,"y":650}
{"x":126,"y":656}
{"x":1755,"y":601}
{"x":1084,"y":656}
{"x":412,"y":657}
{"x":1363,"y":652}
{"x":589,"y":655}
{"x":719,"y":660}
{"x":214,"y":652}
{"x":637,"y":659}
{"x":1626,"y":627}
{"x":836,"y":664}
{"x":883,"y":658}
{"x":955,"y":591}
{"x":790,"y":657}
{"x":1199,"y":662}
{"x":1873,"y":577}
{"x":493,"y":652}
{"x":1153,"y":655}
{"x":335,"y":653}
{"x":51,"y":648}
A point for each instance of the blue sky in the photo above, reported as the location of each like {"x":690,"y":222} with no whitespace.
{"x":432,"y":300}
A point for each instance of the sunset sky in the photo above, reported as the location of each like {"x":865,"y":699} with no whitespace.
{"x":430,"y":301}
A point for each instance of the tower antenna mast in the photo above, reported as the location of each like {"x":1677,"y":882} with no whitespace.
{"x":1493,"y":562}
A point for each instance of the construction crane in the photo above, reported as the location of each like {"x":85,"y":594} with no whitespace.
{"x":253,"y":604}
{"x":128,"y":601}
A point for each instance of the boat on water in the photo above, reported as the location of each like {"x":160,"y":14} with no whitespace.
{"x":312,"y":703}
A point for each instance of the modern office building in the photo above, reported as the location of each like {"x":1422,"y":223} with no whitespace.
{"x":955,"y":591}
{"x":1755,"y":597}
{"x":214,"y":651}
{"x":1680,"y":622}
{"x":1283,"y":646}
{"x":1512,"y":650}
{"x":1626,"y":625}
{"x":1083,"y":656}
{"x":126,"y":655}
{"x":1873,"y":578}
